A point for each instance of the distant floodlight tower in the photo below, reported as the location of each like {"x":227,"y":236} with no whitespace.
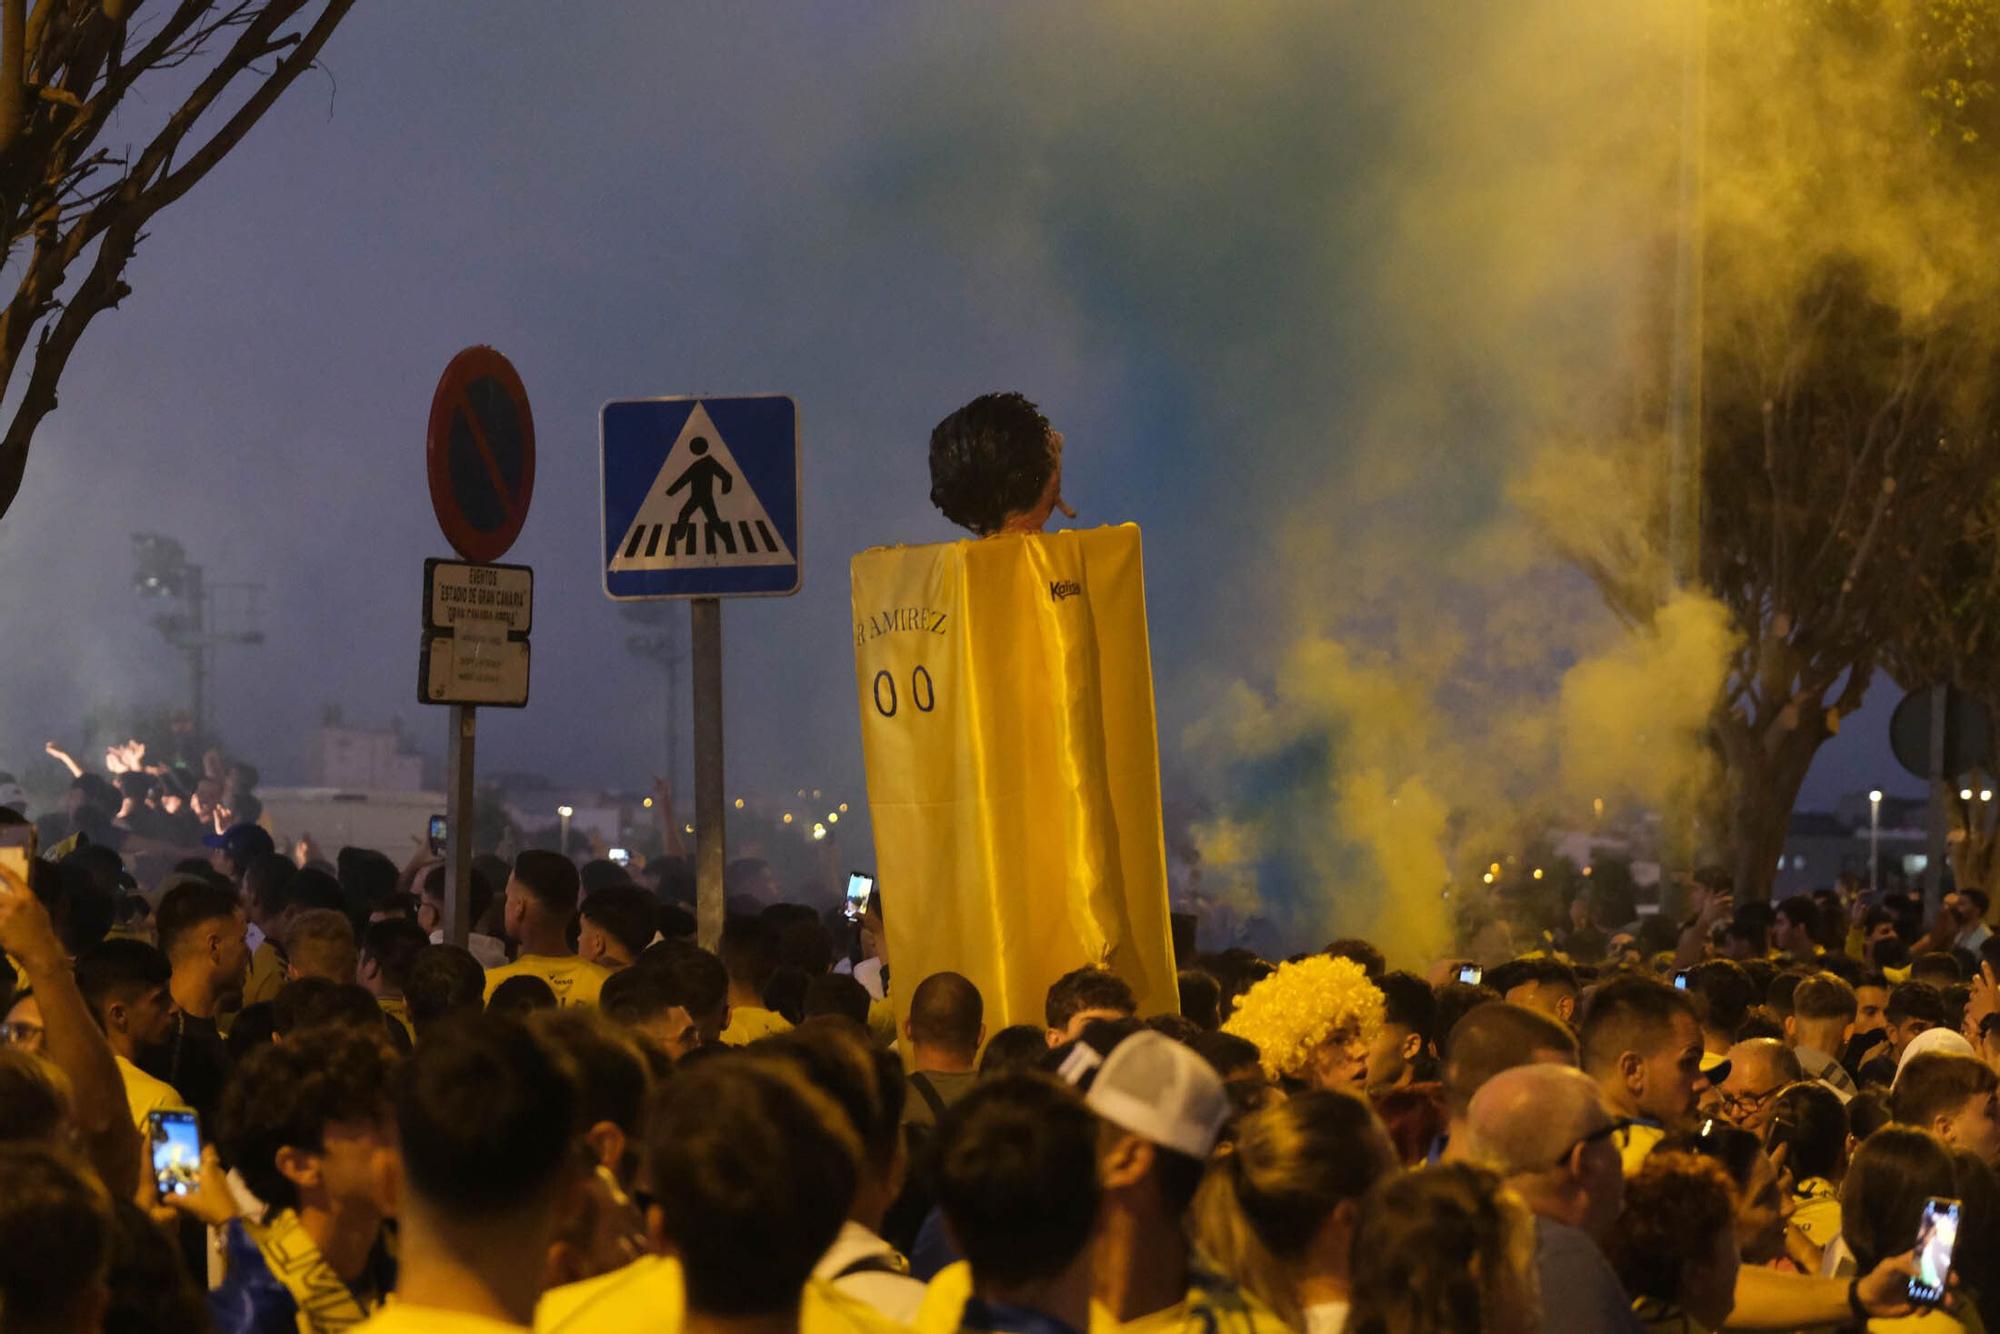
{"x":162,"y":570}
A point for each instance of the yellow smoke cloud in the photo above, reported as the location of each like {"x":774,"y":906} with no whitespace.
{"x":1633,"y":717}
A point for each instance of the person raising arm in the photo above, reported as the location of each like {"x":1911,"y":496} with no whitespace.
{"x":74,"y":1042}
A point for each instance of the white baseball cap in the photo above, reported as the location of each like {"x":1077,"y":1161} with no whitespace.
{"x":1161,"y":1091}
{"x":1945,"y":1040}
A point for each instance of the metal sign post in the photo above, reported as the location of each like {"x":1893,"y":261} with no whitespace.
{"x":701,"y":502}
{"x":458,"y":824}
{"x":479,"y":457}
{"x":710,"y":838}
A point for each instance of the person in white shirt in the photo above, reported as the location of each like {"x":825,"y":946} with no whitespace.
{"x":491,"y":951}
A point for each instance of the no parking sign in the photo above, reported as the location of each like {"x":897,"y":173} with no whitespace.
{"x":480,"y":454}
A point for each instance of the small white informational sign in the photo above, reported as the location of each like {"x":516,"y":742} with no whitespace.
{"x":476,"y":624}
{"x":459,"y":594}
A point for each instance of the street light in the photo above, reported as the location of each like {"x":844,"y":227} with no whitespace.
{"x":1875,"y":841}
{"x":563,"y":813}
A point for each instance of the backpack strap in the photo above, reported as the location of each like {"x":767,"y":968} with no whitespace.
{"x":926,"y":1090}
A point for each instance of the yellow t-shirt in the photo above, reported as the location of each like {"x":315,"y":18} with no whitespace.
{"x":402,"y":1318}
{"x":144,"y":1093}
{"x":1212,"y":1306}
{"x":747,"y":1023}
{"x":647,"y":1295}
{"x":575,"y":981}
{"x":1635,"y":1143}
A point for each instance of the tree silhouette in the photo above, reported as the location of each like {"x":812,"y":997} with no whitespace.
{"x":76,"y":188}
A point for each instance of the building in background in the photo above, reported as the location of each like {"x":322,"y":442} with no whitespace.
{"x":355,"y":757}
{"x":1821,"y":845}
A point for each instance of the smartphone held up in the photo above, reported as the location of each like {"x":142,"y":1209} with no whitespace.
{"x":1937,"y":1237}
{"x":860,"y":892}
{"x":176,"y":1146}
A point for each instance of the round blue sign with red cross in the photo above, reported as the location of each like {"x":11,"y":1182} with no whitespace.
{"x":480,"y":454}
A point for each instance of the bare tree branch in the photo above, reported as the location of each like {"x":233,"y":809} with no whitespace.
{"x":62,"y":192}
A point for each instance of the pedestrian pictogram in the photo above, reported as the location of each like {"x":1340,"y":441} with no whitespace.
{"x":700,"y":497}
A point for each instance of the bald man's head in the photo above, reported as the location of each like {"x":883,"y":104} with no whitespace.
{"x":946,"y":1012}
{"x":1546,"y":1128}
{"x":1523,"y":1119}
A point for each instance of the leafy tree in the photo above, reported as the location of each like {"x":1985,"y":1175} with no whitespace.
{"x":1852,"y":415}
{"x":79,"y":184}
{"x":1850,"y":361}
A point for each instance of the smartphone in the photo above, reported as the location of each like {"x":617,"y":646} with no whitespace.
{"x":1937,"y":1234}
{"x":1681,"y":979}
{"x":176,"y":1151}
{"x":860,"y":889}
{"x":622,"y":856}
{"x":438,"y":830}
{"x":1470,"y":973}
{"x":17,"y":848}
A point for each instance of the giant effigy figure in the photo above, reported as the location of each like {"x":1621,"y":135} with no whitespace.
{"x":1006,"y":695}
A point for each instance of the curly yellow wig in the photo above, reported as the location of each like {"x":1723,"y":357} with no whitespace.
{"x":1291,"y":1012}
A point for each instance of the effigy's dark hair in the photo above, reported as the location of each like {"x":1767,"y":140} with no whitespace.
{"x":990,"y":459}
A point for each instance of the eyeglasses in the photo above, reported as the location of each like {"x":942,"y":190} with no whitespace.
{"x":1743,"y":1104}
{"x":1616,"y":1126}
{"x":20,"y":1034}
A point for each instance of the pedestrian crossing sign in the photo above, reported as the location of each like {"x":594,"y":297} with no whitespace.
{"x":700,"y":497}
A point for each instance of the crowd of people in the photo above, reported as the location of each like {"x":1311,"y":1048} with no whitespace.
{"x":585,"y":1121}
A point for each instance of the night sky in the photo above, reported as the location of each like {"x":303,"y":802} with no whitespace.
{"x":881,"y":210}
